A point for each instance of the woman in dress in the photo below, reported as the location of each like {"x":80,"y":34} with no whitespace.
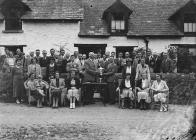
{"x":161,"y":90}
{"x":18,"y":81}
{"x":127,"y":86}
{"x":34,"y":68}
{"x":36,"y":89}
{"x":51,"y":69}
{"x":73,"y":85}
{"x":142,"y":88}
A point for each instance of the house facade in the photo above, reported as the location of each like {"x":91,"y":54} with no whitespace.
{"x":99,"y":25}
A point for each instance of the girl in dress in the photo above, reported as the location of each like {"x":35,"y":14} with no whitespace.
{"x":126,"y":87}
{"x":161,"y":90}
{"x":73,"y":84}
{"x":18,"y":81}
{"x":51,"y":69}
{"x":143,"y":87}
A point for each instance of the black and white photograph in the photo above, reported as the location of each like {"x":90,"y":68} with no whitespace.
{"x":97,"y":69}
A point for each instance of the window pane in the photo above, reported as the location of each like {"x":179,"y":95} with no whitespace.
{"x":194,"y":27}
{"x":117,"y":24}
{"x":185,"y":27}
{"x":113,"y":24}
{"x":122,"y":24}
{"x":190,"y":27}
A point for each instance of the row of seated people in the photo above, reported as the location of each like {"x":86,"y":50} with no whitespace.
{"x":55,"y":92}
{"x":143,"y":92}
{"x":139,"y":91}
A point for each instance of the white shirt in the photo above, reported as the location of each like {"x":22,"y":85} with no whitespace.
{"x":128,"y":70}
{"x":127,"y":84}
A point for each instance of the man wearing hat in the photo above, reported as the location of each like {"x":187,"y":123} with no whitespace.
{"x":44,"y":61}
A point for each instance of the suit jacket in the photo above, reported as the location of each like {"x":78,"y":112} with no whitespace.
{"x":61,"y":83}
{"x":157,"y":65}
{"x":150,"y":61}
{"x":122,"y":85}
{"x":119,"y":64}
{"x":110,"y":74}
{"x":38,"y":59}
{"x":132,"y":72}
{"x":167,"y":66}
{"x":140,"y":70}
{"x":90,"y":71}
{"x":44,"y":61}
{"x":68,"y":83}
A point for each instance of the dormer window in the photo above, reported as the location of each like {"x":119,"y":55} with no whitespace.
{"x":117,"y":17}
{"x":190,"y":23}
{"x":117,"y":23}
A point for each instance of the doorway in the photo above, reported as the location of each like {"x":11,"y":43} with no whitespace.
{"x":86,"y":48}
{"x":13,"y":48}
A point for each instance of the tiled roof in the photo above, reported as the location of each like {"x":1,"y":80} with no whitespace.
{"x":53,"y":9}
{"x":149,"y":17}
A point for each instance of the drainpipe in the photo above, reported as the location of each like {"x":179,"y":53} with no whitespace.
{"x":146,"y":41}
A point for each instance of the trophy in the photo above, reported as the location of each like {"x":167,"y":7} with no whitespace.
{"x":100,"y":74}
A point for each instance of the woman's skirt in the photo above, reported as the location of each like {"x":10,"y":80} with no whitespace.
{"x":18,"y":87}
{"x":160,"y":97}
{"x":127,"y":93}
{"x":73,"y":93}
{"x":56,"y":93}
{"x":143,"y":95}
{"x":36,"y":94}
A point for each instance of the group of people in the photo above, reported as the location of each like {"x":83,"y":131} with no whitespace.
{"x":65,"y":74}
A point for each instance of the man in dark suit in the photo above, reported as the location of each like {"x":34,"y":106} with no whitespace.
{"x":119,"y":62}
{"x":157,"y":63}
{"x":128,"y":68}
{"x":44,"y":62}
{"x":37,"y":56}
{"x":167,"y":64}
{"x":150,"y":61}
{"x":110,"y":79}
{"x":89,"y":76}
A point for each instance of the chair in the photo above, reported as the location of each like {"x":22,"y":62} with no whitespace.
{"x":30,"y":98}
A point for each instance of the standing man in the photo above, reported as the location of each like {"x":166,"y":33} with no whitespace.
{"x":128,"y":69}
{"x":60,"y":61}
{"x":167,"y":64}
{"x":37,"y":56}
{"x":44,"y":62}
{"x":89,"y":76}
{"x":119,"y":62}
{"x":52,"y":54}
{"x":110,"y":79}
{"x":157,"y":63}
{"x":150,"y":61}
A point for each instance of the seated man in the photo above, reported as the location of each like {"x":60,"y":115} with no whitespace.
{"x":73,"y":85}
{"x":143,"y":87}
{"x":57,"y":85}
{"x":161,"y":89}
{"x":126,"y":87}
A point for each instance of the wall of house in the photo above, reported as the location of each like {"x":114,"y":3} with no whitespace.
{"x":157,"y":45}
{"x":43,"y":36}
{"x":55,"y":35}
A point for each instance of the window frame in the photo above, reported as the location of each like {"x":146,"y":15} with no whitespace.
{"x":118,"y":17}
{"x":189,"y":19}
{"x":8,"y":22}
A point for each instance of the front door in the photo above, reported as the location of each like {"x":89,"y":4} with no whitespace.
{"x":14,"y":48}
{"x":86,"y":48}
